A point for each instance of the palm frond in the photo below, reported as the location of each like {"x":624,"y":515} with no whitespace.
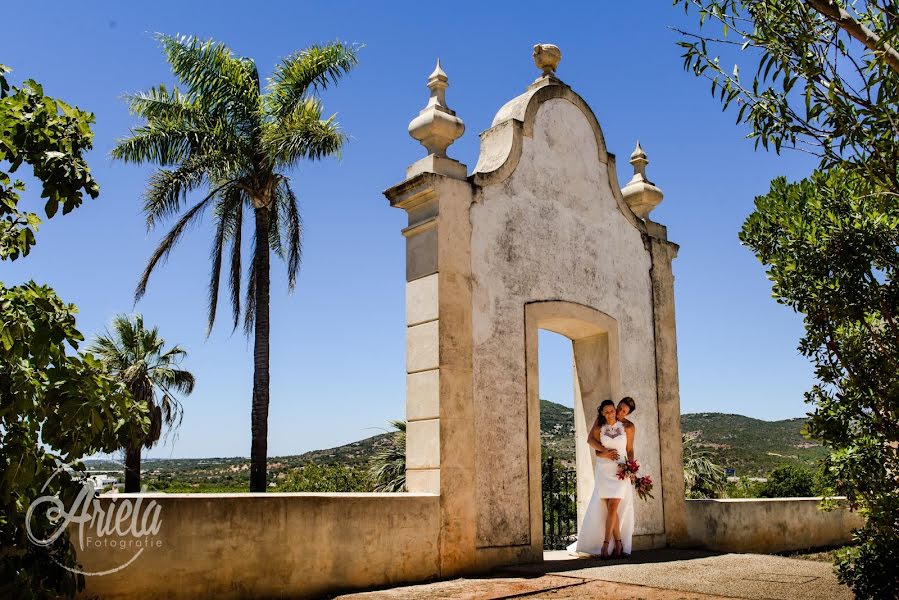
{"x":274,"y":229}
{"x":388,"y":465}
{"x":177,"y":379}
{"x":172,"y":411}
{"x":152,"y":343}
{"x":171,"y":238}
{"x":302,"y":134}
{"x":702,"y":477}
{"x":309,"y":70}
{"x":160,"y":143}
{"x":232,"y":202}
{"x":161,"y":104}
{"x":216,"y":80}
{"x":173,"y":355}
{"x":234,"y":280}
{"x":249,"y":317}
{"x":128,"y":331}
{"x":168,"y":188}
{"x":169,"y":142}
{"x":293,"y":230}
{"x":109,"y":350}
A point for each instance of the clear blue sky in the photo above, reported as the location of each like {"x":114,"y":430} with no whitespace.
{"x":337,"y":369}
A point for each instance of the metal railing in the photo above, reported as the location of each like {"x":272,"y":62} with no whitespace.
{"x":559,"y":505}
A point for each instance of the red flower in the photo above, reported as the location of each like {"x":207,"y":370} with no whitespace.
{"x":643,"y":487}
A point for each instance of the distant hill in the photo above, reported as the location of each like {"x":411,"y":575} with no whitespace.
{"x":750,"y":446}
{"x":557,"y":431}
{"x":222,"y":474}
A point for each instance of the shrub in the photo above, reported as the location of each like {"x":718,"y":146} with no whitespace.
{"x":313,"y":477}
{"x":789,"y":481}
{"x":744,"y":488}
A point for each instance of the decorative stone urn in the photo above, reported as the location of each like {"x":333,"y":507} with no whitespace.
{"x":547,"y":57}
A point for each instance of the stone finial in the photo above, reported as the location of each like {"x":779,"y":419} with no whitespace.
{"x":437,"y":126}
{"x":547,"y":57}
{"x":639,"y":160}
{"x":640,"y":194}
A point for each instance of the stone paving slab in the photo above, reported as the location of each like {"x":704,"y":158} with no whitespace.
{"x":545,"y":587}
{"x":606,"y":590}
{"x":760,"y":576}
{"x":666,"y":574}
{"x":482,"y":588}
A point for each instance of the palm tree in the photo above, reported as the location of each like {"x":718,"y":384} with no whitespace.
{"x":221,"y":133}
{"x":702,"y":477}
{"x":388,"y":466}
{"x":136,"y":356}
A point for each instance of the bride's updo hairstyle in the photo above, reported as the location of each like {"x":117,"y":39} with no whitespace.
{"x":630,"y":404}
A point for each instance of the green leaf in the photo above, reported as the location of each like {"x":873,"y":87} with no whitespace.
{"x":50,"y":207}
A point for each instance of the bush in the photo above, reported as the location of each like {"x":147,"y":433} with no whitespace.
{"x":313,"y":477}
{"x":870,"y":565}
{"x":789,"y":481}
{"x":744,"y":488}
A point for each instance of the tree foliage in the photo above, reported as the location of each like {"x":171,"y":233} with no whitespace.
{"x":824,"y":76}
{"x":789,"y":481}
{"x":388,"y":465}
{"x":831,"y":243}
{"x":136,"y":356}
{"x":314,"y":477}
{"x":51,"y":137}
{"x":826,"y":81}
{"x":222,"y":134}
{"x":54,"y":406}
{"x":702,"y":477}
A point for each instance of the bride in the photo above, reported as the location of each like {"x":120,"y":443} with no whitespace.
{"x":610,"y":512}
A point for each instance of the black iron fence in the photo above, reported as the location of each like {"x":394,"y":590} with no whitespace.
{"x":559,"y":505}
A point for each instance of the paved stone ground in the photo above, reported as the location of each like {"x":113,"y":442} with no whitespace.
{"x":653,"y":575}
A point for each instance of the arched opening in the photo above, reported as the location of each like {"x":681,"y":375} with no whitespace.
{"x":593,"y":336}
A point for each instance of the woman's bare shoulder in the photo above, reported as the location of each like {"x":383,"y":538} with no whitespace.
{"x":629,"y":425}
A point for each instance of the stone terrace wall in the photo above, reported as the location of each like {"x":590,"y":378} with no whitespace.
{"x":271,"y":545}
{"x":768,"y":524}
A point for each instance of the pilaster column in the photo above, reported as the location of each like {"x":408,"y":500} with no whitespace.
{"x":674,"y":503}
{"x":439,"y":413}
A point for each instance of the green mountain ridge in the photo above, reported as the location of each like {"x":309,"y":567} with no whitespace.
{"x":751,"y":447}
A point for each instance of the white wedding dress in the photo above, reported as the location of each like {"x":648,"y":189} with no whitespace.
{"x":591,"y":533}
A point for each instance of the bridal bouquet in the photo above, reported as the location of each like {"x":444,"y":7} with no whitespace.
{"x":642,"y":485}
{"x":627,"y":469}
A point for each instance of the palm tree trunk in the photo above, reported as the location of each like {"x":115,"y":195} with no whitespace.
{"x":132,"y":469}
{"x":259,"y":414}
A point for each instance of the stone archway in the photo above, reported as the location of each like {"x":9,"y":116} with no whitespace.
{"x":540,"y":235}
{"x":594,"y":338}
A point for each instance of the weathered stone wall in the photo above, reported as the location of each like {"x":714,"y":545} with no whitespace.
{"x":552,"y":230}
{"x":768,"y":524}
{"x":272,"y":545}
